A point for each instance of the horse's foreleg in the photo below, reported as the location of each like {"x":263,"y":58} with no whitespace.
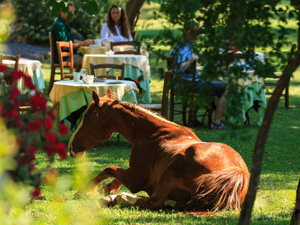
{"x":112,"y":187}
{"x":110,"y":171}
{"x":129,"y":199}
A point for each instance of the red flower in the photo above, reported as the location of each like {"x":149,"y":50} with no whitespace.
{"x":32,"y":150}
{"x":61,"y":150}
{"x":14,"y":113}
{"x":16,"y":74}
{"x":35,"y":126}
{"x":3,"y":68}
{"x":51,"y":138}
{"x":234,"y":50}
{"x":31,"y":167}
{"x":36,"y":193}
{"x":38,"y":101}
{"x":48,"y":124}
{"x":28,"y":82}
{"x":52,"y":114}
{"x":63,"y":129}
{"x":14,"y":93}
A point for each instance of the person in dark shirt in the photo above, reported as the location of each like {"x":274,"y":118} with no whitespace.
{"x":61,"y":31}
{"x":184,"y":57}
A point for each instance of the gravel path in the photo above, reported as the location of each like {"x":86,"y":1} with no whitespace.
{"x":25,"y":50}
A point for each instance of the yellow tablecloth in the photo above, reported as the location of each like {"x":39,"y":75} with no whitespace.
{"x":136,"y":67}
{"x":94,"y":49}
{"x":31,"y":68}
{"x":73,"y":96}
{"x":139,"y":61}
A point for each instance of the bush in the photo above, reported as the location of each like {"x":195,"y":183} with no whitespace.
{"x":34,"y":19}
{"x":37,"y":123}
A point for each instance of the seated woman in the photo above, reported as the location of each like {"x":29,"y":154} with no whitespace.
{"x":116,"y":27}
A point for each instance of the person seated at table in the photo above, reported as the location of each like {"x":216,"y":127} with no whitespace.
{"x":61,"y":31}
{"x":116,"y":27}
{"x":183,"y":55}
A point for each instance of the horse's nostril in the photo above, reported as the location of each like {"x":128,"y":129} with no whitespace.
{"x":72,"y":153}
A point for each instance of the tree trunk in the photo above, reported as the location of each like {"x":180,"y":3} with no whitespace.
{"x":293,"y":63}
{"x":133,"y":10}
{"x":296,"y":214}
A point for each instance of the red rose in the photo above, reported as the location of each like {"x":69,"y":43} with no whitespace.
{"x":35,"y":126}
{"x":63,"y":129}
{"x":234,"y":50}
{"x":14,"y":113}
{"x":52,"y":114}
{"x":16,"y":74}
{"x":3,"y":68}
{"x":28,"y":82}
{"x":38,"y":101}
{"x":48,"y":124}
{"x":32,"y":150}
{"x":61,"y":150}
{"x":31,"y":167}
{"x":14,"y":93}
{"x":36,"y":193}
{"x":51,"y":138}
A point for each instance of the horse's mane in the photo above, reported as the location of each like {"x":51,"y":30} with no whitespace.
{"x":133,"y":107}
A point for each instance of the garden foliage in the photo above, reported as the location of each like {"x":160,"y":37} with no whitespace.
{"x":28,"y":127}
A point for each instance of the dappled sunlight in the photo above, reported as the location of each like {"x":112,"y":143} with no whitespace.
{"x":6,"y":17}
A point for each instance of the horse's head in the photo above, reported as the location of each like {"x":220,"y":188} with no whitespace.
{"x":94,"y":128}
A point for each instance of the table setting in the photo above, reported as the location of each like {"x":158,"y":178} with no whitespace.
{"x":136,"y":67}
{"x":73,"y":96}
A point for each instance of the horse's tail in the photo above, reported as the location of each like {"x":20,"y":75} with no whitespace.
{"x":225,"y":189}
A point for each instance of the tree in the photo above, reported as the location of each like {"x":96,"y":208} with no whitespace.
{"x":231,"y":26}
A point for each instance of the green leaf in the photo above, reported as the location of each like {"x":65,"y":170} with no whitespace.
{"x":92,"y":8}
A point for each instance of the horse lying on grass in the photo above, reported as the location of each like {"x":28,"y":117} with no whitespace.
{"x":168,"y":161}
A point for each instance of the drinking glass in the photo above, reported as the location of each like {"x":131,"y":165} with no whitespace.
{"x":116,"y":73}
{"x":83,"y":73}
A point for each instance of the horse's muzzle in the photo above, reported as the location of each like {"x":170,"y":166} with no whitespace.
{"x":75,"y":154}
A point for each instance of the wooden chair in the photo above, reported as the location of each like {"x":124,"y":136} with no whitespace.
{"x":187,"y":105}
{"x":163,"y":107}
{"x":108,"y":66}
{"x":272,"y":83}
{"x":22,"y":108}
{"x":128,"y":43}
{"x":68,"y":52}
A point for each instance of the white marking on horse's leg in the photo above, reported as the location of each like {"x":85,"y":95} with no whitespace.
{"x":126,"y":198}
{"x":122,"y":198}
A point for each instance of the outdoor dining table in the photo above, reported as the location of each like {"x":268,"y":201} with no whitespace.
{"x":252,"y":89}
{"x":74,"y":97}
{"x":98,"y":49}
{"x":136,"y":67}
{"x":32,"y":68}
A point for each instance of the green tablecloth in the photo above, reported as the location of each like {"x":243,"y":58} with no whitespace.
{"x":251,"y":92}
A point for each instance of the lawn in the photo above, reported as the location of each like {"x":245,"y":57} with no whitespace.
{"x":276,"y":194}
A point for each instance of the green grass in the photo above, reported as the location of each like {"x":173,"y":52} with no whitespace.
{"x":275,"y":197}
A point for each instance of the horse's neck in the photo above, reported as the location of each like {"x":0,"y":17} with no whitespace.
{"x":135,"y":123}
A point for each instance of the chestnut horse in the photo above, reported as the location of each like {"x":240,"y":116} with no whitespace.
{"x":168,"y":161}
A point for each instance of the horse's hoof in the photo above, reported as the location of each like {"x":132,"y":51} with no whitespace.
{"x":108,"y":201}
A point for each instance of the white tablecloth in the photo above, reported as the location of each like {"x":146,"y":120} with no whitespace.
{"x":31,"y":68}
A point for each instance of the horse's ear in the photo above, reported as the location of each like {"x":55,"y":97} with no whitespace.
{"x":109,"y":93}
{"x":95,"y":97}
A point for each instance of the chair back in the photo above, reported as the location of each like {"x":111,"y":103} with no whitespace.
{"x":55,"y":67}
{"x":65,"y":56}
{"x":186,"y":107}
{"x":134,"y":45}
{"x":13,"y":58}
{"x":108,"y":66}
